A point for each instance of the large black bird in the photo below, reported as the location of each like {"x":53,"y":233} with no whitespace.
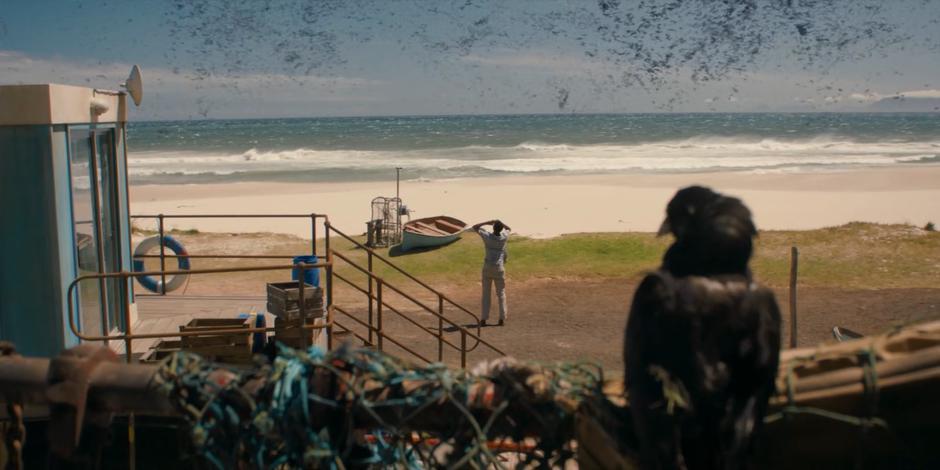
{"x":702,"y":342}
{"x":713,"y":233}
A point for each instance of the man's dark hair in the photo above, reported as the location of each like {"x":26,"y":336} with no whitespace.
{"x":497,"y":227}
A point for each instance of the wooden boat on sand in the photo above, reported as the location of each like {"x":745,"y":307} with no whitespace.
{"x":431,"y":231}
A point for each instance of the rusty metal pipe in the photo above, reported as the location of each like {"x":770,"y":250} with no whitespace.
{"x":403,"y":272}
{"x":125,"y":275}
{"x":313,"y":234}
{"x":162,"y":256}
{"x":430,"y":331}
{"x":229,"y":216}
{"x":395,"y":311}
{"x":412,"y":299}
{"x":379,"y":304}
{"x":220,"y":256}
{"x":113,"y":386}
{"x":440,"y":328}
{"x":379,"y":280}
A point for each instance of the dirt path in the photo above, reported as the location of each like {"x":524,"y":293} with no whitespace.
{"x":558,"y":319}
{"x":564,"y":320}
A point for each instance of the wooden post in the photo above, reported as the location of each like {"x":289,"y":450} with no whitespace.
{"x":794,"y":268}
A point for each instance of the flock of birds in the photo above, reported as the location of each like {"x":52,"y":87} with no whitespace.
{"x":702,"y":342}
{"x":652,"y":46}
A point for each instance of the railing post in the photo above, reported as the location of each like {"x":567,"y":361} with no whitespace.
{"x":127,"y":316}
{"x":329,"y":260}
{"x":313,"y":234}
{"x":162,"y":256}
{"x":794,"y":267}
{"x":329,"y":281}
{"x":329,"y":305}
{"x":440,"y":328}
{"x":302,"y":302}
{"x":329,"y":329}
{"x":463,"y":348}
{"x":378,"y":329}
{"x":128,"y":354}
{"x":370,"y":296}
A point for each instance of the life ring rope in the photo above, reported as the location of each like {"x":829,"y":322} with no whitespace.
{"x":182,"y":261}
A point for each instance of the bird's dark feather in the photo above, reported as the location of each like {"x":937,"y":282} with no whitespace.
{"x":719,"y":338}
{"x":713,"y":233}
{"x":702,"y":342}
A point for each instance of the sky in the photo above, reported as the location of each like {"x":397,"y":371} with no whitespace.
{"x":286,"y":58}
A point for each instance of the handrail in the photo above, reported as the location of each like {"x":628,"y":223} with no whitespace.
{"x":392,"y":339}
{"x":353,"y":318}
{"x":328,"y":265}
{"x":219,"y":256}
{"x":125,"y":275}
{"x":229,"y":216}
{"x":431,"y":311}
{"x":357,"y":335}
{"x":397,"y":312}
{"x":402,"y":271}
{"x":372,"y":275}
{"x":412,"y":299}
{"x":161,"y":217}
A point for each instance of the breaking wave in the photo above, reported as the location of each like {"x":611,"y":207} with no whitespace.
{"x":687,"y":155}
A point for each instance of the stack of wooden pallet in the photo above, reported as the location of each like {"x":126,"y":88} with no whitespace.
{"x":162,"y":349}
{"x":284,"y":304}
{"x":231,"y":348}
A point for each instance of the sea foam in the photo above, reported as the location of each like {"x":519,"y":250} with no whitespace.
{"x":694,"y":154}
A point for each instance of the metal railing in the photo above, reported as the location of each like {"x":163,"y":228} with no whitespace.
{"x":375,"y":323}
{"x":128,"y":336}
{"x":376,"y":335}
{"x":371,"y":255}
{"x":161,"y":232}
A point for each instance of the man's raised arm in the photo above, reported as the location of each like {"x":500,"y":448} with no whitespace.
{"x":481,"y":224}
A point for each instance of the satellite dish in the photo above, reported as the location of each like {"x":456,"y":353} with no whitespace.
{"x":135,"y":85}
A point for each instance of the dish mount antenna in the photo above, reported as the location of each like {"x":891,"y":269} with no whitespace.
{"x":135,"y":85}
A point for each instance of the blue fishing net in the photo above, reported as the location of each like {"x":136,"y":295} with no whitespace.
{"x":362,"y":408}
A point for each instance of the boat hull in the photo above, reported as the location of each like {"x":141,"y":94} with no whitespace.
{"x":418,"y":233}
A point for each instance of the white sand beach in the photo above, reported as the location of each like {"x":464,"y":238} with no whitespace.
{"x":548,"y":206}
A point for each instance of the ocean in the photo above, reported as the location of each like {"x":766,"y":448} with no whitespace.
{"x":446,"y":147}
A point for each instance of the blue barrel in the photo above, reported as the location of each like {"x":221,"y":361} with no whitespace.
{"x":311,"y":276}
{"x":259,"y":339}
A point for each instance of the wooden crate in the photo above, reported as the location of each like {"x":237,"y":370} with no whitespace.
{"x":284,"y":300}
{"x":289,"y":332}
{"x":161,"y":350}
{"x":229,"y":347}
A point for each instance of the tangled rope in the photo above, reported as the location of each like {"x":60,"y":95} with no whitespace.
{"x":357,"y":408}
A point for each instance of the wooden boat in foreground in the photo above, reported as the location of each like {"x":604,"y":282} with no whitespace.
{"x":431,"y":231}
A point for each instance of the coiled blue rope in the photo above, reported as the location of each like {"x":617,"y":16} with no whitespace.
{"x":308,"y":409}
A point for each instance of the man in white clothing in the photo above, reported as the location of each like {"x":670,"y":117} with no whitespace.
{"x":494,"y":266}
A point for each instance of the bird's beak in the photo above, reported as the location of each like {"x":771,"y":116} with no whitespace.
{"x":664,"y":229}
